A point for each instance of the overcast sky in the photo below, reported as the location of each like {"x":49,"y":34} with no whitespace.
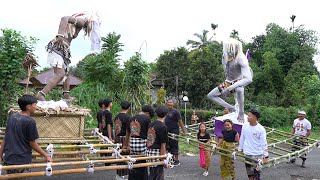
{"x":164,"y":24}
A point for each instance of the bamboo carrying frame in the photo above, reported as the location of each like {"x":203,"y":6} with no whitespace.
{"x":59,"y":126}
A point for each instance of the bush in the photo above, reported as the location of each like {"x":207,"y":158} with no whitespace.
{"x":277,"y":116}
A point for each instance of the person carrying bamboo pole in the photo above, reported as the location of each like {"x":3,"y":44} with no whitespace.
{"x":136,"y":139}
{"x":253,"y":143}
{"x":21,"y":135}
{"x":228,"y":140}
{"x":301,"y":130}
{"x":121,"y":123}
{"x":156,"y":142}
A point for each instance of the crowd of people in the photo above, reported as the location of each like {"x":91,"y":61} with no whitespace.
{"x":140,"y":135}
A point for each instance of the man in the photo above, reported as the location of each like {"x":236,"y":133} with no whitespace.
{"x":21,"y":135}
{"x":136,"y":138}
{"x":173,"y":120}
{"x":253,"y":143}
{"x":121,"y":123}
{"x":301,"y":130}
{"x":238,"y":75}
{"x":107,"y":119}
{"x":156,"y":142}
{"x":59,"y":49}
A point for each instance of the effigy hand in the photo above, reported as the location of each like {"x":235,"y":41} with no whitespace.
{"x":59,"y":41}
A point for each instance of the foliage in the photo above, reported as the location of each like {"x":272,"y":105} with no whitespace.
{"x":161,"y":96}
{"x":88,"y":95}
{"x":13,"y":49}
{"x":204,"y":73}
{"x":171,"y":64}
{"x":136,"y":82}
{"x":204,"y":41}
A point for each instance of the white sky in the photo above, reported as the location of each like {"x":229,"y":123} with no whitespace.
{"x":164,"y":24}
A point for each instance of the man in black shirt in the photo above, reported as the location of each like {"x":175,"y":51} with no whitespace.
{"x":137,"y":137}
{"x":107,"y":119}
{"x":21,"y":135}
{"x":173,"y":120}
{"x":100,"y":114}
{"x":121,"y":123}
{"x":156,"y":142}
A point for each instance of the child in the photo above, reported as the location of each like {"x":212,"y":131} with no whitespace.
{"x":121,"y":123}
{"x":156,"y":142}
{"x":203,"y":136}
{"x":20,"y":137}
{"x":229,"y":137}
{"x":100,"y":114}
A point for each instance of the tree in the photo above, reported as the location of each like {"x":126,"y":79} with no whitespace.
{"x":13,"y":49}
{"x":171,"y":64}
{"x":234,"y":34}
{"x":204,"y":73}
{"x":136,"y":82}
{"x":214,"y":27}
{"x":293,"y":17}
{"x":111,"y":44}
{"x":203,"y":40}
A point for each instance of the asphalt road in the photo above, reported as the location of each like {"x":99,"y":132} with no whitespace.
{"x":190,"y":170}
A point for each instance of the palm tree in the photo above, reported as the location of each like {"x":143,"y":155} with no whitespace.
{"x":234,"y":34}
{"x":293,"y":17}
{"x":204,"y":41}
{"x":214,"y":27}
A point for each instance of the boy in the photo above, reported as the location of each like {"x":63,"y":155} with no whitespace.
{"x":21,"y":135}
{"x":100,"y":114}
{"x":253,"y":143}
{"x":156,"y":142}
{"x":121,"y":123}
{"x":136,"y":137}
{"x":107,"y":119}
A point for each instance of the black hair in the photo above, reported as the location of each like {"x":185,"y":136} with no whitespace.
{"x":148,"y":109}
{"x":255,"y":112}
{"x":161,"y":111}
{"x":125,"y":105}
{"x":198,"y":135}
{"x":229,"y":121}
{"x":100,"y":102}
{"x":25,"y":100}
{"x":107,"y":102}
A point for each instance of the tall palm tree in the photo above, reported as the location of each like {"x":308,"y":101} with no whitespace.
{"x":234,"y":34}
{"x":293,"y":17}
{"x":214,"y":27}
{"x":204,"y":41}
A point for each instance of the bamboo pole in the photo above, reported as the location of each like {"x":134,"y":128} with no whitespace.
{"x":57,"y":153}
{"x":79,"y":162}
{"x":79,"y":170}
{"x":80,"y":159}
{"x":58,"y":146}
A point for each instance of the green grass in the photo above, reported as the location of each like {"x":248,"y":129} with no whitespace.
{"x":187,"y":148}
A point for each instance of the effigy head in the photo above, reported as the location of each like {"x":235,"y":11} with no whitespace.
{"x":231,"y":48}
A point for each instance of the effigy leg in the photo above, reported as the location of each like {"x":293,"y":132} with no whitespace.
{"x":240,"y":100}
{"x":214,"y":96}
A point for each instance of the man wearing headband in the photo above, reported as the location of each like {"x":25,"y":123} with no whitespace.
{"x":238,"y":75}
{"x":59,"y":48}
{"x":301,"y":130}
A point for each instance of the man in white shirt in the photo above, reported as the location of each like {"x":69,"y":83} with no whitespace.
{"x":301,"y":130}
{"x":253,"y":143}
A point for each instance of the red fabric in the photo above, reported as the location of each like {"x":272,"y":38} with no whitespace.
{"x":202,"y":157}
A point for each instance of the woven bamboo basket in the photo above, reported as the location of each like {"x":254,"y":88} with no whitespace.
{"x":59,"y":126}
